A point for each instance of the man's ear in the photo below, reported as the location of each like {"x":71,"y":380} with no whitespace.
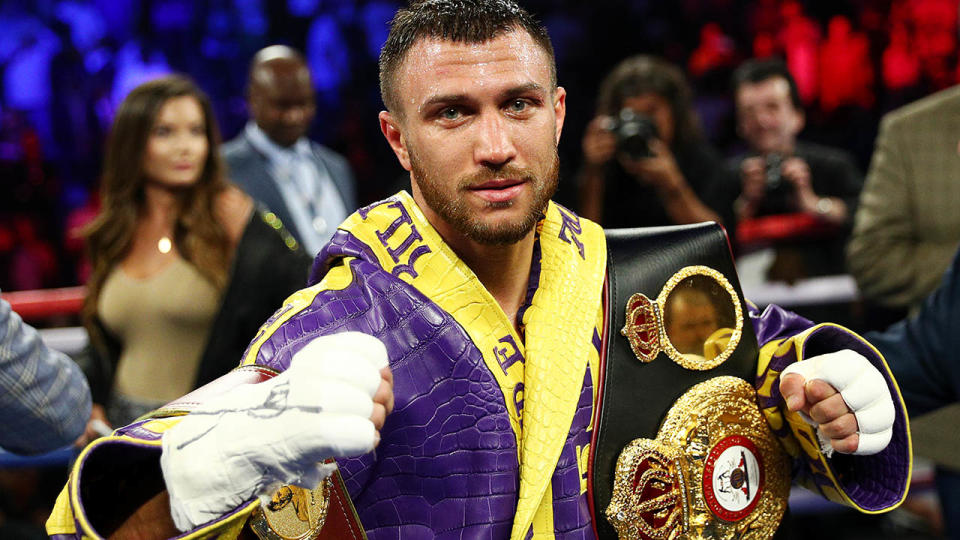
{"x":391,"y":130}
{"x":559,"y":109}
{"x":801,"y":120}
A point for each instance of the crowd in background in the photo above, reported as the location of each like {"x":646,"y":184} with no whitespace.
{"x":66,"y":64}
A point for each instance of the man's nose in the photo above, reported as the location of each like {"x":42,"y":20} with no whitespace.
{"x":294,"y":115}
{"x":494,"y":144}
{"x":766,"y":120}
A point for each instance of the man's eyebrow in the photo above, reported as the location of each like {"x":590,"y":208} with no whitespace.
{"x":527,"y":88}
{"x":454,"y":99}
{"x":445,"y":99}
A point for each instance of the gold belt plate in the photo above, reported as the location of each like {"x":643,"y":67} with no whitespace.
{"x":714,"y":471}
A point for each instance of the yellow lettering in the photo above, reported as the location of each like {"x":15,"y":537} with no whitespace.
{"x":583,"y":456}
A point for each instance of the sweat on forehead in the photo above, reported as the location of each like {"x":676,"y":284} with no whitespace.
{"x":459,"y":21}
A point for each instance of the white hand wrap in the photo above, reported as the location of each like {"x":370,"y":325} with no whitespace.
{"x":863,"y":389}
{"x":257,"y":437}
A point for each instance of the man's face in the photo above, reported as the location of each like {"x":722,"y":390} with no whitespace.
{"x":281,"y":100}
{"x":766,"y":117}
{"x":692,"y":318}
{"x":478,"y":128}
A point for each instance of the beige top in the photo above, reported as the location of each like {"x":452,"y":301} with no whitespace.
{"x":163,"y":322}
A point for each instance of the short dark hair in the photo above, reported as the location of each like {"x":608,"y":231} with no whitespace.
{"x":643,"y":74}
{"x":759,"y":70}
{"x":463,"y":21}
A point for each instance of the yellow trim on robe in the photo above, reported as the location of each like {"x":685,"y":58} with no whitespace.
{"x":441,"y":276}
{"x":803,"y":443}
{"x":559,"y":326}
{"x":337,"y":278}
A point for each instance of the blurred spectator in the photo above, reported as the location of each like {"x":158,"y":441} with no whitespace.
{"x":136,"y":63}
{"x":846,"y":73}
{"x":922,"y":353}
{"x":715,"y":51}
{"x":328,"y":58}
{"x":799,"y":39}
{"x":934,"y":24}
{"x":184,"y":268}
{"x":644,"y":159}
{"x":781,"y":176}
{"x":308,"y":186}
{"x":906,"y":231}
{"x":26,"y":86}
{"x":44,"y":398}
{"x":901,"y":69}
{"x":907,"y":227}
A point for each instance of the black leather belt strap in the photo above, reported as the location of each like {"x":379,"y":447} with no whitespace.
{"x":635,"y":396}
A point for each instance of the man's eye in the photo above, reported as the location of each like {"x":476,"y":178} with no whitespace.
{"x":450,"y":114}
{"x":518,"y":105}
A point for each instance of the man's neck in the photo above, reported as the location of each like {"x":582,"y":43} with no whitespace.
{"x":786,"y":149}
{"x":504,"y":270}
{"x":260,"y":138}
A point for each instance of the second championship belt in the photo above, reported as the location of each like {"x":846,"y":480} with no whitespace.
{"x":680,"y":448}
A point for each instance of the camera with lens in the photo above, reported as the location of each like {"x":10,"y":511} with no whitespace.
{"x":778,"y":189}
{"x":633,"y":131}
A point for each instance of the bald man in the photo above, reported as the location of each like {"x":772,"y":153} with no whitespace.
{"x":308,"y":186}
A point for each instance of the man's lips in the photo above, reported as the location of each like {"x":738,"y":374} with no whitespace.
{"x":499,"y":190}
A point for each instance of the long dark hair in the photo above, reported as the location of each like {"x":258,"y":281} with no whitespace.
{"x":198,"y":234}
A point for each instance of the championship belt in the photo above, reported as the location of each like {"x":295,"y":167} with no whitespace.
{"x":680,"y":448}
{"x":295,"y":513}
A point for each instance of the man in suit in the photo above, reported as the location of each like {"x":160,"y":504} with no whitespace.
{"x":922,"y":353}
{"x":308,"y":186}
{"x":907,"y":228}
{"x":905,"y":232}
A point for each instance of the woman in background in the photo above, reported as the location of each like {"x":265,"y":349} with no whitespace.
{"x":185,"y":269}
{"x":645,"y":161}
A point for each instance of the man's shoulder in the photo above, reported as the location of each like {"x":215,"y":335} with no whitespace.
{"x":237,"y":149}
{"x":936,"y":106}
{"x":328,"y":154}
{"x":824,"y":154}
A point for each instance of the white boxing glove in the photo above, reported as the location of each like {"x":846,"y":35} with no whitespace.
{"x":257,"y":437}
{"x":863,"y":389}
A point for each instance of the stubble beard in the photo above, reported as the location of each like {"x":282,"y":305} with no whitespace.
{"x":456,"y":212}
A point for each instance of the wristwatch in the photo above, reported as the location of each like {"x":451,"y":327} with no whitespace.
{"x":824,"y":205}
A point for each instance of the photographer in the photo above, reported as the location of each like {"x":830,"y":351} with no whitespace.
{"x":784,"y":176}
{"x":645,"y":161}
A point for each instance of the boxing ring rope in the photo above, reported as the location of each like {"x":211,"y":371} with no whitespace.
{"x":41,"y":304}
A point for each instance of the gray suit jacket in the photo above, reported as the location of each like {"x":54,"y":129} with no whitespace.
{"x":907,"y":226}
{"x":248,"y":168}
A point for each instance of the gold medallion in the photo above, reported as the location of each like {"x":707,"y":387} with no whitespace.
{"x":293,"y":513}
{"x":696,"y":320}
{"x":714,"y":471}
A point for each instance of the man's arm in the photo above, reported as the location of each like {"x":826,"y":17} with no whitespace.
{"x":44,"y":397}
{"x":922,"y":350}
